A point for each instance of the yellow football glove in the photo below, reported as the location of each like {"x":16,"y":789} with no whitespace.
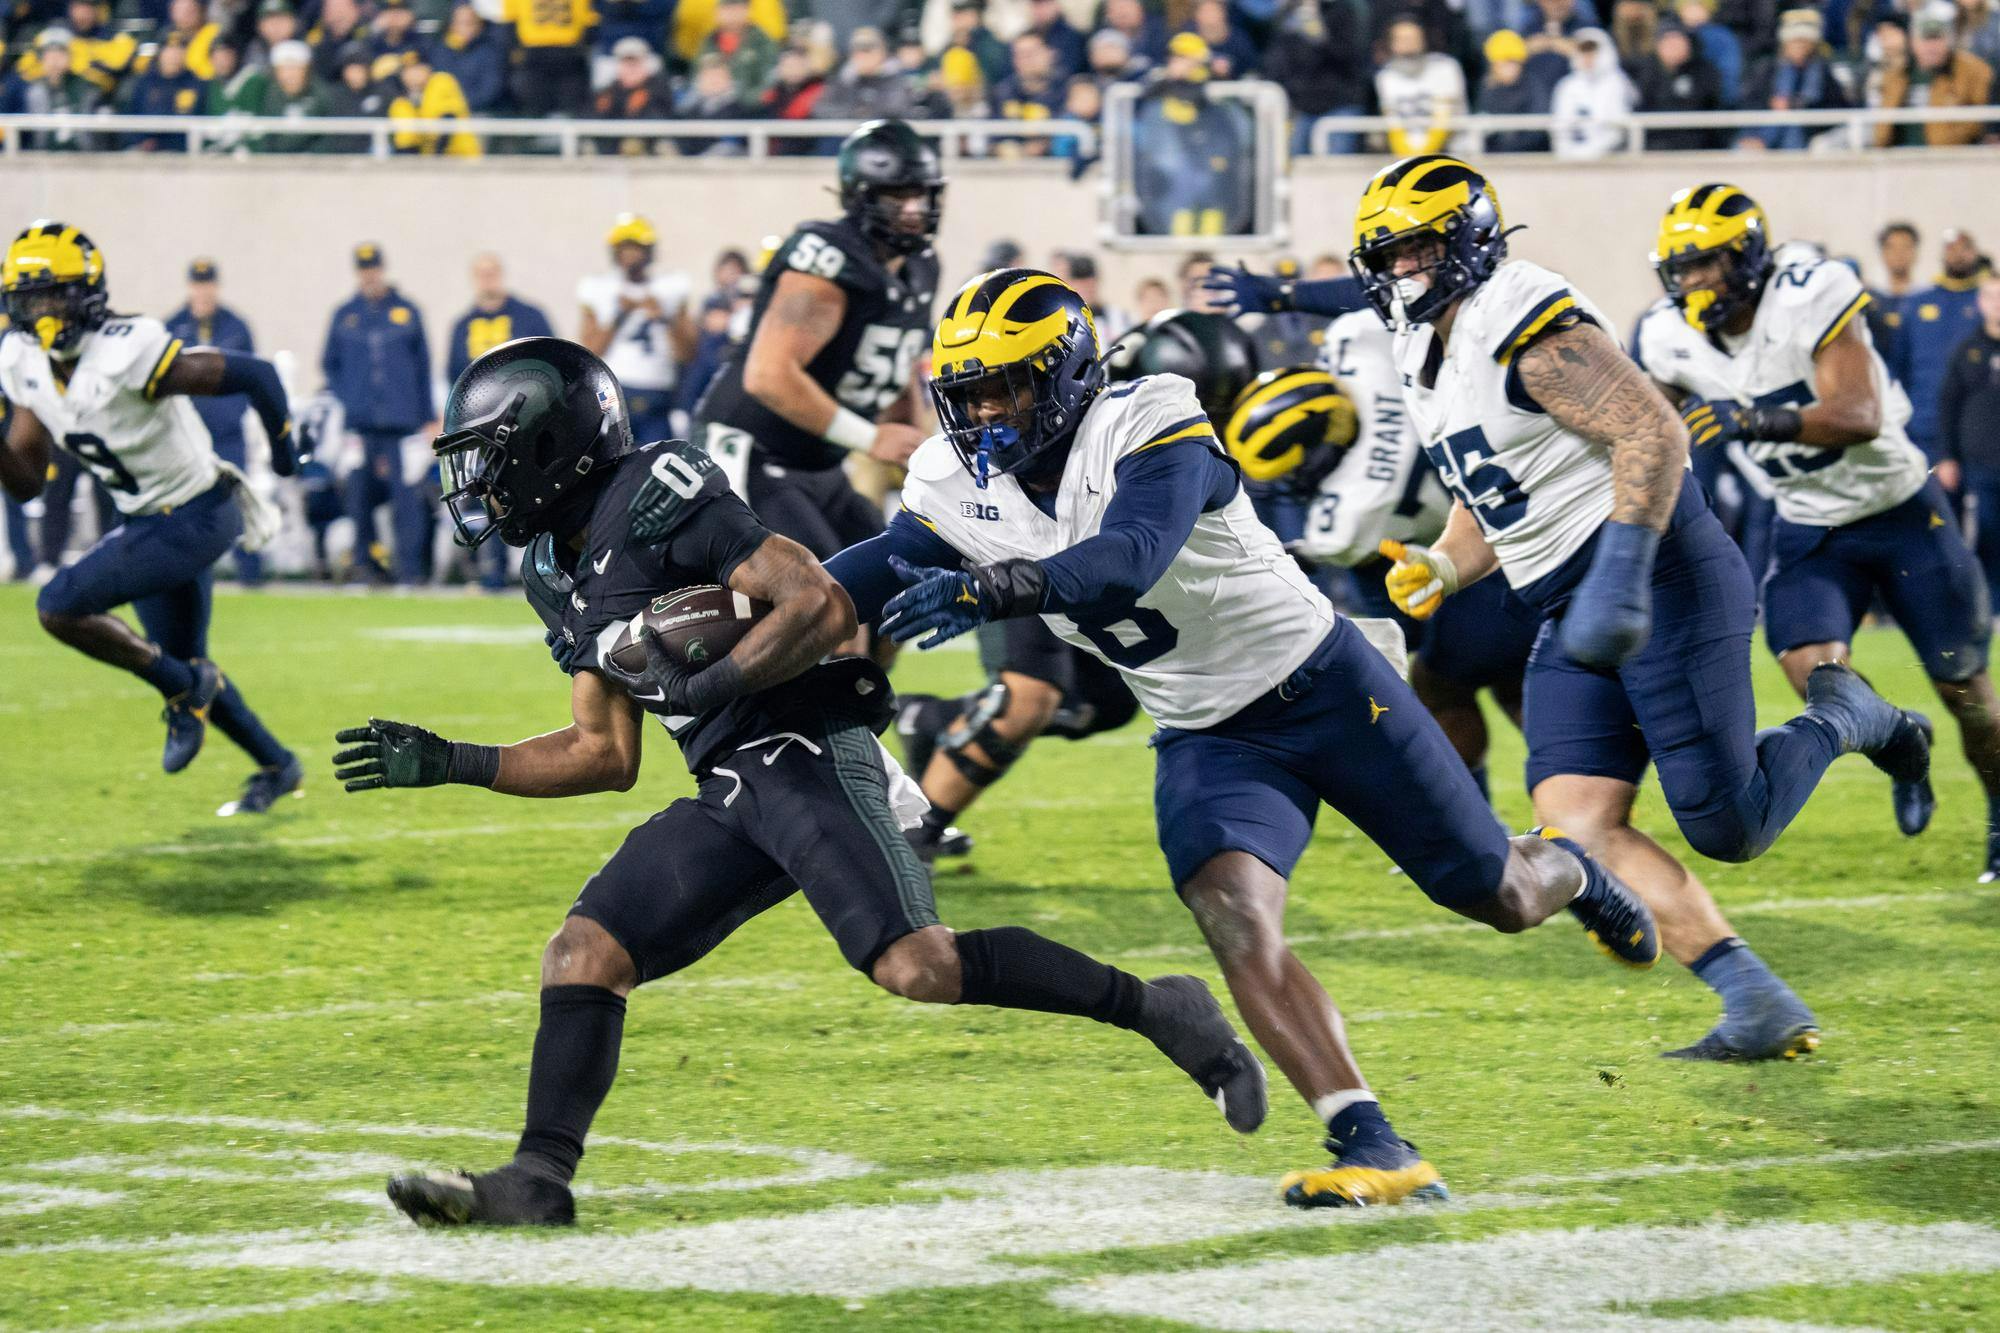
{"x":1420,"y":579}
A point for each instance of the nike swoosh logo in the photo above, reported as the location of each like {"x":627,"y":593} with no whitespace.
{"x":598,"y":564}
{"x":656,"y":696}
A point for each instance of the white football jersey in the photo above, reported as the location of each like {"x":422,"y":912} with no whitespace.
{"x":149,"y":453}
{"x":1805,"y":304}
{"x":1229,"y":620}
{"x":1383,"y":487}
{"x":641,"y":354}
{"x":1538,"y":491}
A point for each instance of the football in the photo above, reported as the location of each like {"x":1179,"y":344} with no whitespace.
{"x":695,"y":625}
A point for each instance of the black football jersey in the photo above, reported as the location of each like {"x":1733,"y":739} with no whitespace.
{"x":866,"y":366}
{"x":587,"y":596}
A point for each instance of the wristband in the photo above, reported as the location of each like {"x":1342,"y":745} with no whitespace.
{"x":1010,"y":588}
{"x":1773,"y":425}
{"x":850,"y":430}
{"x":713,"y":686}
{"x":1444,"y":568}
{"x":473,"y":765}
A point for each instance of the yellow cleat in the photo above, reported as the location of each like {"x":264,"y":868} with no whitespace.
{"x":1352,"y":1186}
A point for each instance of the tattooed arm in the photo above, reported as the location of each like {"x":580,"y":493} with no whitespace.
{"x":1582,"y":379}
{"x":803,"y":317}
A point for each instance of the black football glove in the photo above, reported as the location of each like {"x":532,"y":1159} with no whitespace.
{"x":672,"y":689}
{"x":560,"y":648}
{"x":391,"y":754}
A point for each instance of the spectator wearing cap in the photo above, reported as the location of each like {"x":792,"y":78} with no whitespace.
{"x":428,"y":93}
{"x":167,"y":87}
{"x":551,"y":74}
{"x":1188,"y":60}
{"x":276,"y":25}
{"x":1798,"y":78}
{"x":1419,"y":91}
{"x":292,"y":93}
{"x":693,"y":20}
{"x":1047,"y":21}
{"x":870,"y":84}
{"x":392,"y":38}
{"x":1936,"y":320}
{"x":792,"y":94}
{"x":1592,"y":100}
{"x":188,"y":21}
{"x":378,"y":364}
{"x":969,"y":32}
{"x":957,"y":86}
{"x":1111,"y":59}
{"x":636,"y":92}
{"x":497,"y":316}
{"x":203,"y":321}
{"x":710,"y":95}
{"x":749,"y":52}
{"x":1034,"y":91}
{"x":1506,"y":92}
{"x":1717,"y":43}
{"x":339,"y":24}
{"x":1319,"y":56}
{"x":50,"y":90}
{"x":1677,"y":77}
{"x":648,"y":20}
{"x":356,"y":92}
{"x":1146,"y":32}
{"x":1232,"y":55}
{"x":98,"y":54}
{"x":1937,"y":75}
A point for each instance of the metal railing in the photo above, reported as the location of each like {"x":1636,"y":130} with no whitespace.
{"x":565,"y":138}
{"x":1856,"y":123}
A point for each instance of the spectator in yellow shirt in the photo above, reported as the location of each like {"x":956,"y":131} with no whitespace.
{"x":430,"y":94}
{"x":551,"y":74}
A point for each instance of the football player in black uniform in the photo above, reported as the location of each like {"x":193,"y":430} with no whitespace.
{"x":1041,"y":686}
{"x":843,"y":313}
{"x":537,"y":447}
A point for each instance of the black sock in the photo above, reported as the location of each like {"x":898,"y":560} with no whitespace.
{"x":576,"y":1057}
{"x":168,"y":674}
{"x":936,"y":820}
{"x":234,"y":718}
{"x":1013,"y":968}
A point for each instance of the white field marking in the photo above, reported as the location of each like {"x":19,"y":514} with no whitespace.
{"x":20,"y":1200}
{"x":1583,"y":1281}
{"x":1777,"y":906}
{"x":848,"y":1251}
{"x":337,"y":1009}
{"x":285,"y":1165}
{"x":169,"y":1244}
{"x":375,"y":1293}
{"x":357,"y":837}
{"x":813,"y":1164}
{"x":1832,"y":1156}
{"x":455,"y":634}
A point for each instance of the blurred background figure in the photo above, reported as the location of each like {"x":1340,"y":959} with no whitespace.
{"x":205,"y":322}
{"x":640,"y":322}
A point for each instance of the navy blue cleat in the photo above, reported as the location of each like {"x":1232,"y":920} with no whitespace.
{"x":1366,"y":1176}
{"x":1181,"y":1017}
{"x":1907,"y":761}
{"x":1773,"y":1024}
{"x":1863,"y":720}
{"x":186,"y":716}
{"x":265,"y":787}
{"x":1615,"y":918}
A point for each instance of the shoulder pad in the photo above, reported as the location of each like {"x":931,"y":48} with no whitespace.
{"x":544,"y":581}
{"x":934,"y":461}
{"x":1522,"y":301}
{"x":1161,"y":409}
{"x":681,"y":476}
{"x":828,"y":250}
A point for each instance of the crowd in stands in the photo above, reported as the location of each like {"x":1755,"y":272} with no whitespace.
{"x":1587,"y":62}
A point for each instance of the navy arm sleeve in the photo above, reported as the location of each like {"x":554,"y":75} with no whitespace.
{"x":252,"y":375}
{"x":863,"y":569}
{"x":1161,"y":494}
{"x":1330,"y":297}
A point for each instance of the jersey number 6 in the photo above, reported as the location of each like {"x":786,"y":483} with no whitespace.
{"x":1130,"y":639}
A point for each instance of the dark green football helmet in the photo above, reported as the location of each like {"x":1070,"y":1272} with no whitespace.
{"x":1211,"y":350}
{"x":529,"y":430}
{"x":880,"y":164}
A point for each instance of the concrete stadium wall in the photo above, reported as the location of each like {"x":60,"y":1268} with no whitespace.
{"x":282,"y":227}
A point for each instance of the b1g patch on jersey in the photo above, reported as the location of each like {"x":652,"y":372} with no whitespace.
{"x":682,"y":476}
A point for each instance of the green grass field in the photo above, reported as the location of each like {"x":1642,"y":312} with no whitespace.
{"x":218,"y":1036}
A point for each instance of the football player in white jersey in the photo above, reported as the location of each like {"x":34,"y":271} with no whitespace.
{"x":1112,"y":512}
{"x":640,"y":322}
{"x":1570,"y":472}
{"x":112,"y":390}
{"x":1347,"y":451}
{"x":1767,"y":352}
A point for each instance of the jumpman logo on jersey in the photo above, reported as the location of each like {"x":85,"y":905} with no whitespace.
{"x":1375,"y":711}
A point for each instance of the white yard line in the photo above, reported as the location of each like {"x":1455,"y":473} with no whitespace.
{"x":375,"y":1293}
{"x":1832,"y":1156}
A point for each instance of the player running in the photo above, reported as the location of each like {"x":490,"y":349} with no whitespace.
{"x":1769,"y":354}
{"x":1112,"y":512}
{"x":1570,"y":472}
{"x":829,"y":367}
{"x":793,"y":796}
{"x":113,"y":390}
{"x":1345,"y":450}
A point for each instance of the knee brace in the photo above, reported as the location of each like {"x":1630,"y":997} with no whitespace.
{"x":977,"y":729}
